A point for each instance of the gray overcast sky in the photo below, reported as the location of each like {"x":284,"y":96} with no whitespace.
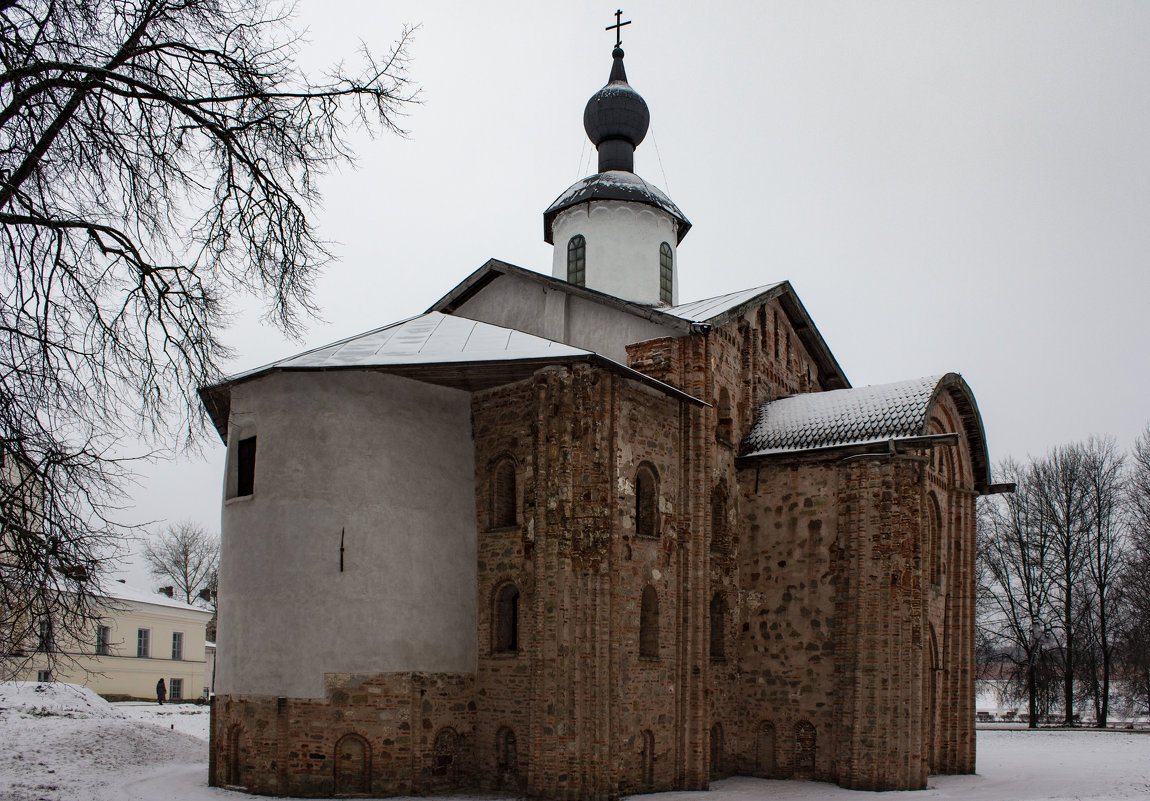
{"x":948,"y":185}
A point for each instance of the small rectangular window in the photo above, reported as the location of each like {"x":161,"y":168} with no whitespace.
{"x":177,"y":645}
{"x":43,"y":675}
{"x":103,"y":637}
{"x":143,"y":643}
{"x":175,"y":689}
{"x":44,"y":641}
{"x":246,"y":466}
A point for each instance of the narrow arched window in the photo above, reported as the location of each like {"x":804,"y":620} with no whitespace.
{"x":646,"y":505}
{"x":717,"y":753}
{"x":725,"y":431}
{"x":718,"y":627}
{"x":649,"y":623}
{"x":666,"y":273}
{"x":934,"y":539}
{"x":647,"y":759}
{"x":503,"y":496}
{"x":806,"y":749}
{"x":719,"y":537}
{"x":506,"y":619}
{"x":577,"y":260}
{"x":506,"y":758}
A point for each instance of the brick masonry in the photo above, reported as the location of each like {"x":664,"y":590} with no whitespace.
{"x":799,"y":630}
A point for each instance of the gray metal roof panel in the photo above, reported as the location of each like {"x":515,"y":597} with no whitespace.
{"x":700,"y":311}
{"x":431,"y":338}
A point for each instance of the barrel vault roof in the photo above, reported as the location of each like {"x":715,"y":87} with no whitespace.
{"x":864,"y":415}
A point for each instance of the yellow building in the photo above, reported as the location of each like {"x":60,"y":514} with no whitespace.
{"x":141,"y":638}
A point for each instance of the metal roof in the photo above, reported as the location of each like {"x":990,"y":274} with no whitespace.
{"x":614,"y":185}
{"x":702,"y":311}
{"x":435,"y":348}
{"x":688,"y":317}
{"x":864,"y":415}
{"x":431,"y":338}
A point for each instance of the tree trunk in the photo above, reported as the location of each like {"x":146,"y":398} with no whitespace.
{"x":1032,"y":681}
{"x":1068,"y":658}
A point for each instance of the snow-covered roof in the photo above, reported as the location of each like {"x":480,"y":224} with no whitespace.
{"x":434,"y":347}
{"x":700,"y":311}
{"x":686,"y":317}
{"x":431,"y":338}
{"x":123,"y":592}
{"x":614,"y":185}
{"x":841,"y":417}
{"x":863,"y":415}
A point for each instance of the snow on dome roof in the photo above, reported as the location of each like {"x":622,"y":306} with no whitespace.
{"x":842,"y":417}
{"x":614,"y":185}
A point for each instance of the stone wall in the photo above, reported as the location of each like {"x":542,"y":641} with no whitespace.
{"x":381,"y":734}
{"x":789,"y":560}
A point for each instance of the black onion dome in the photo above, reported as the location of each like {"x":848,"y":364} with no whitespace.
{"x":616,"y":111}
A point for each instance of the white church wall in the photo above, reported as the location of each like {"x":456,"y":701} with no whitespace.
{"x":525,"y":305}
{"x":623,"y":241}
{"x":388,"y":461}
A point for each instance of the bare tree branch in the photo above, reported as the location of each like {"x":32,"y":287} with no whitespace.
{"x":187,"y":555}
{"x":157,"y":158}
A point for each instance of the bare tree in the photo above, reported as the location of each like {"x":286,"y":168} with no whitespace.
{"x":1103,"y":478}
{"x":1062,"y":496}
{"x":186,"y":554}
{"x":157,"y":158}
{"x":1019,"y":555}
{"x":1134,"y":637}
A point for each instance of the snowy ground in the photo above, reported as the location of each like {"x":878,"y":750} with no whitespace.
{"x":62,"y":743}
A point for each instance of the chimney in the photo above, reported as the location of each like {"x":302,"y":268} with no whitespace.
{"x":168,"y":591}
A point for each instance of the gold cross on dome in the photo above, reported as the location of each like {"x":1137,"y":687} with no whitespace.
{"x":617,"y":27}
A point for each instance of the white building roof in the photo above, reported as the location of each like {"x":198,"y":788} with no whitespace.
{"x":431,"y":338}
{"x":700,"y":311}
{"x":123,"y":592}
{"x":437,"y":348}
{"x":842,"y":417}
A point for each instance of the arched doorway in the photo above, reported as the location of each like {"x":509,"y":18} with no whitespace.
{"x":352,"y":765}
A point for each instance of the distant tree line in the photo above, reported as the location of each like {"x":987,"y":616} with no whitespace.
{"x":1064,"y":582}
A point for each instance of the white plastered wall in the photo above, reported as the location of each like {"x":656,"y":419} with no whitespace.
{"x":389,"y":462}
{"x":623,"y":240}
{"x":526,"y":305}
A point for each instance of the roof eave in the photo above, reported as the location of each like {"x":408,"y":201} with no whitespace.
{"x":831,"y":375}
{"x":217,"y":398}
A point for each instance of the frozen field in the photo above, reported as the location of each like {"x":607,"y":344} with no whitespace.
{"x":66,"y":744}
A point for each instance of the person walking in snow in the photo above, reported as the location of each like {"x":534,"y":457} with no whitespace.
{"x":161,"y":691}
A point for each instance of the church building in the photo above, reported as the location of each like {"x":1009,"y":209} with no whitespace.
{"x":572,"y":537}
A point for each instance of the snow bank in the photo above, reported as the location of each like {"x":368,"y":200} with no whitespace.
{"x":52,"y":698}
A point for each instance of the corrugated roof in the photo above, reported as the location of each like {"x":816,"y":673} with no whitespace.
{"x":842,"y":417}
{"x":700,"y":311}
